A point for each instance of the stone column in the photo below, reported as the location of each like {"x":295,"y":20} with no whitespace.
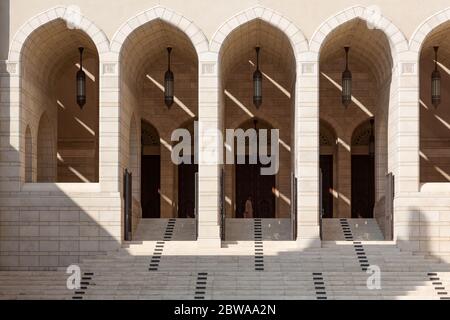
{"x":209,"y":148}
{"x":404,"y":150}
{"x":110,"y":176}
{"x":307,"y":149}
{"x":407,"y":128}
{"x":11,"y":167}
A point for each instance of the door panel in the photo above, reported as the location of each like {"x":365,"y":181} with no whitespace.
{"x":150,"y":185}
{"x":186,"y":190}
{"x":250,"y":182}
{"x":363,"y":186}
{"x":326,"y":166}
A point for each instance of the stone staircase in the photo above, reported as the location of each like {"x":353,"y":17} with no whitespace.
{"x":34,"y":285}
{"x":351,"y":229}
{"x":167,"y":269}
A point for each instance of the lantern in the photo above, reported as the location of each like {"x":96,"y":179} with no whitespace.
{"x":346,"y":82}
{"x":169,"y":80}
{"x":436,"y":81}
{"x":81,"y":82}
{"x":257,"y":82}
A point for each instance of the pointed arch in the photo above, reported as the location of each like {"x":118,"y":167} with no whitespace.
{"x":292,"y":32}
{"x":327,"y":132}
{"x":97,"y":36}
{"x":426,"y":28}
{"x":188,"y":27}
{"x":372,"y":16}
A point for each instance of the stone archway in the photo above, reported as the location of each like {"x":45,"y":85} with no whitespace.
{"x":49,"y":62}
{"x":374,"y":81}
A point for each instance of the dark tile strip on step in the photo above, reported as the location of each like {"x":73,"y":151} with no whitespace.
{"x":200,"y":286}
{"x":439,"y":287}
{"x":168,"y":234}
{"x":361,"y":255}
{"x":157,"y":255}
{"x":86,"y":281}
{"x":348,"y":235}
{"x":259,"y":247}
{"x":319,"y":286}
{"x":159,"y":248}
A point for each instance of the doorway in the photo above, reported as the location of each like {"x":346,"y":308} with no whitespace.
{"x":150,"y":172}
{"x":363,"y":186}
{"x":250,"y":183}
{"x":150,"y":186}
{"x":186,"y":189}
{"x":326,"y":166}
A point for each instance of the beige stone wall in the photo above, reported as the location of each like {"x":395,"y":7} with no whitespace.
{"x":306,"y":14}
{"x":47,"y":229}
{"x":422,"y":222}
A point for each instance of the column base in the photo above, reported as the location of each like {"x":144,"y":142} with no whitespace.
{"x":209,"y":237}
{"x":308,"y":237}
{"x":308,"y":243}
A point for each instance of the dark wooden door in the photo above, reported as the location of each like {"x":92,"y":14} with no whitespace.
{"x":326,"y":165}
{"x":363,"y":186}
{"x":186,"y":190}
{"x":250,"y":182}
{"x":150,"y":185}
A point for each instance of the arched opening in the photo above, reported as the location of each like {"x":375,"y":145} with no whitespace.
{"x":49,"y":63}
{"x":29,"y":159}
{"x":144,"y":61}
{"x":46,"y":156}
{"x":435,"y":121}
{"x":371,"y":63}
{"x":238,"y":60}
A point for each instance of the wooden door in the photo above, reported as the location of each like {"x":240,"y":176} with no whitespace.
{"x":363,"y":186}
{"x":150,"y":186}
{"x":186,"y":190}
{"x":326,"y":165}
{"x":250,"y":182}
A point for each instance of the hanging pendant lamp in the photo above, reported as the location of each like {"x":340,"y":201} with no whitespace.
{"x":346,"y":82}
{"x":169,"y":80}
{"x":257,"y":82}
{"x":436,"y":81}
{"x":81,"y":82}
